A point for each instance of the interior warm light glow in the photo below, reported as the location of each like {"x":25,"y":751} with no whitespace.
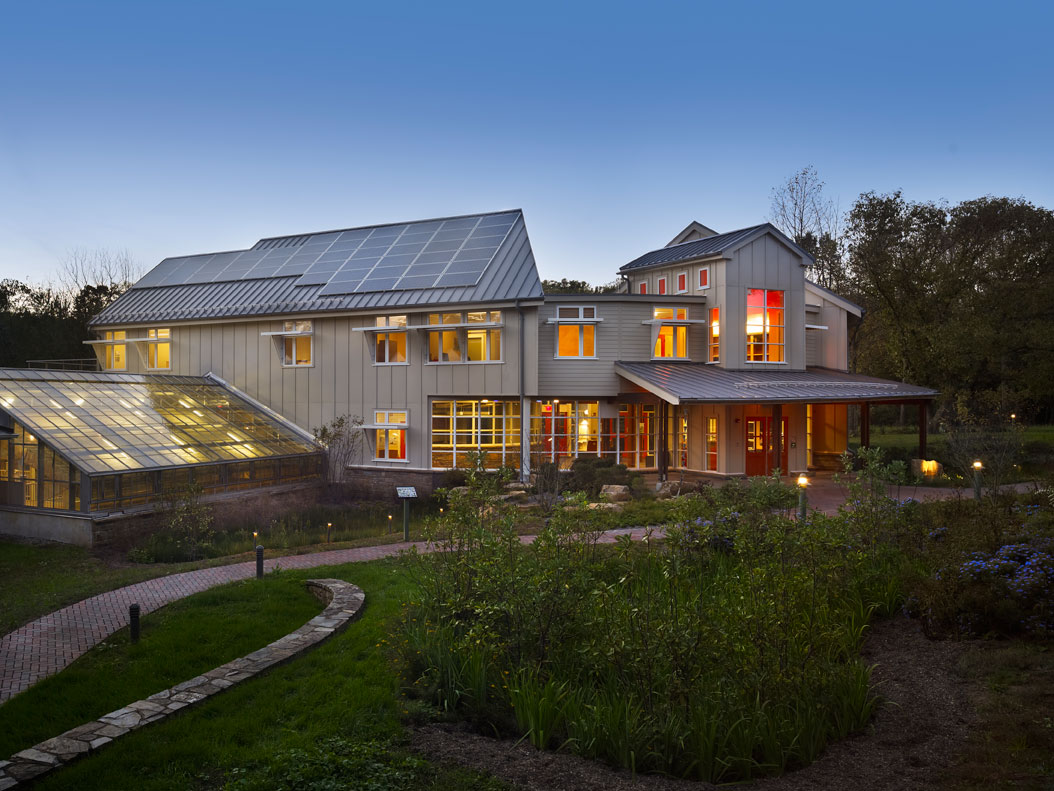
{"x":199,"y":414}
{"x":184,"y":404}
{"x":803,"y":481}
{"x":977,"y":465}
{"x":234,"y":436}
{"x":755,"y":325}
{"x":78,"y":401}
{"x":928,"y":467}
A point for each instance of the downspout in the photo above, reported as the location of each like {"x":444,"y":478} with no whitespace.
{"x":524,"y":419}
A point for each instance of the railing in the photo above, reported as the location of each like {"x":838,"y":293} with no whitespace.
{"x":75,"y":364}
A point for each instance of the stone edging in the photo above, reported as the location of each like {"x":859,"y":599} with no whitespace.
{"x":344,"y":602}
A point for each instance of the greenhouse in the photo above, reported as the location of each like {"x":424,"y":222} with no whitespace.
{"x":98,"y":443}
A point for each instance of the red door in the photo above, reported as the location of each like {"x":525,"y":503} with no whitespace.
{"x":761,"y":447}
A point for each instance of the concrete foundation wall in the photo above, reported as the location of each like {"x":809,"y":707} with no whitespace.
{"x":376,"y":484}
{"x":43,"y":526}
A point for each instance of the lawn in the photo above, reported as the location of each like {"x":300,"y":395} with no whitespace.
{"x":336,"y":709}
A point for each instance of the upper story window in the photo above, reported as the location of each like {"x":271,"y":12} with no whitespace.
{"x":672,"y":339}
{"x":682,"y":282}
{"x":473,"y":337}
{"x":576,"y":331}
{"x":662,"y":285}
{"x":391,"y":345}
{"x":297,"y":343}
{"x":643,"y":287}
{"x":116,"y":353}
{"x":391,"y":435}
{"x":704,"y":277}
{"x":714,"y":333}
{"x":159,"y":349}
{"x":765,"y":326}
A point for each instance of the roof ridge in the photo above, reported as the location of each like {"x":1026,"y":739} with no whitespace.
{"x":388,"y":224}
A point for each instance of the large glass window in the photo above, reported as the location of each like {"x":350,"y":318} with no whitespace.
{"x":391,"y":346}
{"x":576,"y":340}
{"x":711,"y":443}
{"x":297,"y":343}
{"x":482,"y":344}
{"x":714,"y":331}
{"x":473,"y":337}
{"x":672,"y":340}
{"x":562,"y":431}
{"x":116,"y":353}
{"x":159,"y":349}
{"x":391,"y":440}
{"x":487,"y":426}
{"x":444,"y":346}
{"x":765,"y":326}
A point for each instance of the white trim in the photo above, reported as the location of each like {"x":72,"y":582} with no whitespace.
{"x":456,"y":362}
{"x":677,"y":278}
{"x":663,"y":289}
{"x":816,"y":327}
{"x":468,"y":324}
{"x":573,"y":321}
{"x":289,"y":334}
{"x":698,"y":272}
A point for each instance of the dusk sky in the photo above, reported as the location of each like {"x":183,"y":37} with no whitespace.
{"x":178,"y":128}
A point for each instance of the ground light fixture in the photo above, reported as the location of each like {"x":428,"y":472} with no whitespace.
{"x":803,"y":498}
{"x":977,"y":467}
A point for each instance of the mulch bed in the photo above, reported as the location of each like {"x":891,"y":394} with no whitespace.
{"x":916,"y":733}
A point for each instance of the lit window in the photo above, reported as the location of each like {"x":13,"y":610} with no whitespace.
{"x":682,"y":282}
{"x":158,"y":350}
{"x":444,"y":346}
{"x":391,"y":346}
{"x":391,"y":441}
{"x":704,"y":277}
{"x":487,"y":426}
{"x":711,"y":443}
{"x":643,"y":287}
{"x":116,"y":353}
{"x":672,"y":340}
{"x":483,"y":344}
{"x":765,"y":324}
{"x":662,"y":285}
{"x":715,"y":335}
{"x":576,"y":340}
{"x":296,"y":343}
{"x":473,"y":337}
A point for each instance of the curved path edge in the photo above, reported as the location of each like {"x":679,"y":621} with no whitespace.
{"x":344,"y":604}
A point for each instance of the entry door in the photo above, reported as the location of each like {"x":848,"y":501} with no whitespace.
{"x":761,"y":446}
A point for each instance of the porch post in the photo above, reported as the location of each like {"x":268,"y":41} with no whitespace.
{"x":777,"y":439}
{"x":923,"y":420}
{"x":664,"y":430}
{"x":865,"y":425}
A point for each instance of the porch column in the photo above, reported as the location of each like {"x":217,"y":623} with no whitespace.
{"x":777,"y":439}
{"x":865,"y":425}
{"x":525,"y":439}
{"x":664,"y":431}
{"x":923,"y":420}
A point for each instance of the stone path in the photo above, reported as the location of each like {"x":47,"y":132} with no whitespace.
{"x":343,"y":603}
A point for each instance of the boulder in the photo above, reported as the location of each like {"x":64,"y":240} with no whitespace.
{"x":605,"y":506}
{"x":614,"y":493}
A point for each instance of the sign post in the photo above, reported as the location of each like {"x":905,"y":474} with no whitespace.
{"x":406,"y":494}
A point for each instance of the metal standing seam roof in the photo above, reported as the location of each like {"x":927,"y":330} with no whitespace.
{"x":705,"y":247}
{"x":698,"y":382}
{"x":110,"y":422}
{"x":509,"y":274}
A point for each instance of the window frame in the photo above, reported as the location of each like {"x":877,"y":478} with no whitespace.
{"x":713,"y":339}
{"x":642,"y":287}
{"x":386,"y":330}
{"x":292,"y":333}
{"x":113,"y":336}
{"x":581,"y":321}
{"x":661,"y":289}
{"x":702,"y":273}
{"x":154,"y":341}
{"x":461,"y":329}
{"x":765,"y":343}
{"x":678,"y":326}
{"x":678,"y":277}
{"x":387,"y":426}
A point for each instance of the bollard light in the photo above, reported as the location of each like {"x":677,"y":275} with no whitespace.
{"x":389,"y":523}
{"x":259,"y":563}
{"x":133,"y":622}
{"x":329,"y":529}
{"x":803,"y":499}
{"x":977,"y":467}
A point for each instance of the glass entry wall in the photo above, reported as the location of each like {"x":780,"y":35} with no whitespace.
{"x":464,"y":426}
{"x":562,"y":431}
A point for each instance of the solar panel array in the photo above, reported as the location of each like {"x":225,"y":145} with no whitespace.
{"x":427,"y":254}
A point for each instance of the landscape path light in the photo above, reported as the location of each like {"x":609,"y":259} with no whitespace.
{"x":259,"y":562}
{"x":977,"y":467}
{"x":803,"y":498}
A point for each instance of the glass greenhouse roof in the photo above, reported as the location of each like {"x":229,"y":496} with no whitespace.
{"x":106,"y":422}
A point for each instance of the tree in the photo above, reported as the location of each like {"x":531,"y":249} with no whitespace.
{"x":341,"y":438}
{"x":801,"y":210}
{"x":565,"y":286}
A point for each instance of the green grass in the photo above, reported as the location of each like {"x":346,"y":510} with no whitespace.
{"x":266,"y":732}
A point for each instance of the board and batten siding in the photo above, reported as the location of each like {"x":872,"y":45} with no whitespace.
{"x":343,"y":378}
{"x":620,"y":335}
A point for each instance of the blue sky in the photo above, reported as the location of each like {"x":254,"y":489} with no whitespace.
{"x":177,"y":128}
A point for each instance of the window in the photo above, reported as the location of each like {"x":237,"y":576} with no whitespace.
{"x":483,"y":345}
{"x":391,"y":440}
{"x":485,"y":426}
{"x":682,"y":282}
{"x":576,"y":340}
{"x":662,"y":285}
{"x":764,"y":326}
{"x":296,"y":343}
{"x":473,"y":337}
{"x":714,"y":330}
{"x":671,"y":340}
{"x":116,"y":353}
{"x":704,"y":277}
{"x":643,"y":288}
{"x":158,"y":350}
{"x":391,"y":346}
{"x":711,"y":443}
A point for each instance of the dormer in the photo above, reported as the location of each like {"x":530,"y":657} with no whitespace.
{"x":693,"y":232}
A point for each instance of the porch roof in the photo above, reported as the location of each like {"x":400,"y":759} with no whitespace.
{"x":685,"y":383}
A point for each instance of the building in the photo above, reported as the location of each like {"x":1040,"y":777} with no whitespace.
{"x":437,"y":333}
